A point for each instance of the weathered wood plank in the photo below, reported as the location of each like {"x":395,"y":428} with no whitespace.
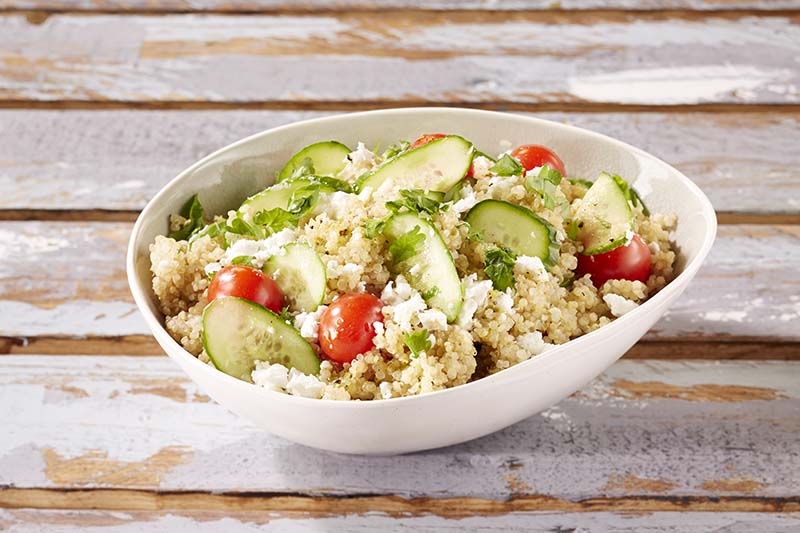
{"x":233,"y":6}
{"x":25,"y":520}
{"x":649,"y":429}
{"x":117,"y":160}
{"x":55,"y":275}
{"x":409,"y":56}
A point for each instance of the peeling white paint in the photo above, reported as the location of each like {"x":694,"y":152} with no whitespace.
{"x":675,"y":85}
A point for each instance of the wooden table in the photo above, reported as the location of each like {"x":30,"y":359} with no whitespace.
{"x":695,"y":429}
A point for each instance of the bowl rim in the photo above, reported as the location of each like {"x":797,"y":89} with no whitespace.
{"x":539,"y":362}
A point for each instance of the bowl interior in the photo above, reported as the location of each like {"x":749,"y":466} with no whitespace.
{"x":225,"y":178}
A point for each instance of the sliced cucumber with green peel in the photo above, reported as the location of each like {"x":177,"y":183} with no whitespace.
{"x":300,"y":274}
{"x":604,"y":217}
{"x":435,"y":166}
{"x":420,"y":254}
{"x":326,"y":158}
{"x":238,"y":332}
{"x":278,"y":195}
{"x":515,"y":227}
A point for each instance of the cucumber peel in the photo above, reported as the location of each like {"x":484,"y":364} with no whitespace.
{"x":604,"y":217}
{"x":238,"y":332}
{"x":517,"y":228}
{"x":326,"y":158}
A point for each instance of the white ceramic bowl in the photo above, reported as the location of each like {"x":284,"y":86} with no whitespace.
{"x":225,"y":178}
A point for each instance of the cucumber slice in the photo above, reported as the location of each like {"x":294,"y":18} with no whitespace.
{"x":604,"y":218}
{"x":300,"y":274}
{"x":238,"y":332}
{"x":326,"y":157}
{"x":428,"y":265}
{"x":278,"y":195}
{"x":516,"y":228}
{"x":436,"y":166}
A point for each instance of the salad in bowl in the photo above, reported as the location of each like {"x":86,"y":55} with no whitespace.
{"x":371,"y":274}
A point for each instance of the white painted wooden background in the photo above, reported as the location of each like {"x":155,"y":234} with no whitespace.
{"x":102,"y":102}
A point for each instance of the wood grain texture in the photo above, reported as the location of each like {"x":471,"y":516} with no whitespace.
{"x":402,"y":57}
{"x":67,"y":279}
{"x":118,"y":160}
{"x":645,"y":429}
{"x":234,"y":6}
{"x":23,"y":521}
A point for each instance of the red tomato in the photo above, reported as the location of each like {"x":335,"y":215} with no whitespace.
{"x":248,"y":283}
{"x":345,"y":328}
{"x":425,"y":139}
{"x":533,"y":155}
{"x":630,"y":261}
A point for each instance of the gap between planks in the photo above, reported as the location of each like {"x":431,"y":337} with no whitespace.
{"x":345,"y":106}
{"x":320,"y":506}
{"x":723,"y":348}
{"x":38,"y":15}
{"x":108,"y":215}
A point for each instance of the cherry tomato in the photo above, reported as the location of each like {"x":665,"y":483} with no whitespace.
{"x":425,"y":139}
{"x":346,"y":327}
{"x":630,"y":261}
{"x":248,"y":283}
{"x":533,"y":155}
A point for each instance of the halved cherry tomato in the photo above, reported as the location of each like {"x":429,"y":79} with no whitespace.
{"x":630,"y":261}
{"x":248,"y":283}
{"x":425,"y":139}
{"x":534,"y":155}
{"x":346,"y":327}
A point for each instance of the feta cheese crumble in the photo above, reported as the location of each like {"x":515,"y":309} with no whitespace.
{"x":476,"y":293}
{"x":386,"y":390}
{"x":304,"y":385}
{"x":619,"y":305}
{"x":272,"y":377}
{"x":533,"y":343}
{"x":308,"y":323}
{"x":260,"y":250}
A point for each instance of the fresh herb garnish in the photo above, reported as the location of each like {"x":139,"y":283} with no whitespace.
{"x":430,"y":293}
{"x":407,"y":246}
{"x":478,"y":153}
{"x":507,"y":166}
{"x":394,"y":149}
{"x":416,"y":201}
{"x":193,"y":213}
{"x":263,"y":224}
{"x":568,"y":281}
{"x":418,"y":342}
{"x":334,"y":183}
{"x":373,"y":227}
{"x":472,"y":233}
{"x":305,"y":168}
{"x":246,"y":260}
{"x":545,"y":183}
{"x":580,"y":182}
{"x":499,"y":267}
{"x":286,"y":316}
{"x":304,"y":199}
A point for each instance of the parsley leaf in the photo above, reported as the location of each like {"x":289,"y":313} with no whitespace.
{"x":286,"y":316}
{"x":305,"y":168}
{"x":580,"y":182}
{"x":545,"y":183}
{"x":193,"y":213}
{"x":276,"y":219}
{"x":334,"y":183}
{"x":430,"y":293}
{"x":246,"y":260}
{"x":416,"y":201}
{"x":499,"y":267}
{"x":507,"y":166}
{"x":303,"y":199}
{"x":417,"y":342}
{"x":478,"y":153}
{"x":373,"y":227}
{"x":394,"y":149}
{"x":472,"y":233}
{"x":407,"y":246}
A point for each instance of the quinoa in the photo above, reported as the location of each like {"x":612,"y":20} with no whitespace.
{"x":496,"y":330}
